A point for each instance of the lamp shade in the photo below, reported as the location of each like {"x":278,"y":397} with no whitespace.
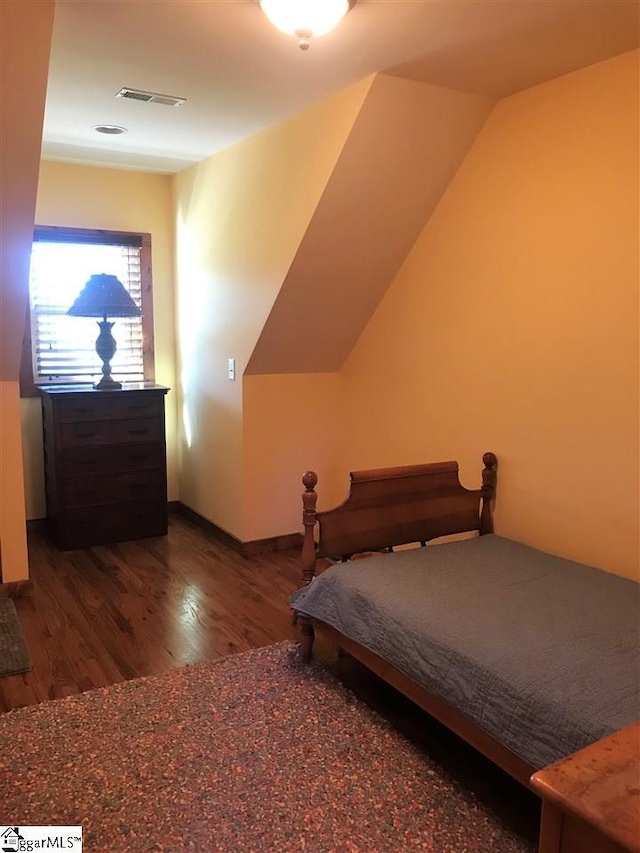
{"x":305,"y":17}
{"x":104,"y":296}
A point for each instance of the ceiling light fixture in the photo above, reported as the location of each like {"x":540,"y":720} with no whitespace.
{"x":111,"y":129}
{"x":305,"y":18}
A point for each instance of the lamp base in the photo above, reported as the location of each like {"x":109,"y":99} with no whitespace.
{"x":107,"y":385}
{"x":106,"y":349}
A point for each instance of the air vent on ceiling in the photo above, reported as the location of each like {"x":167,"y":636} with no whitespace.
{"x":150,"y":97}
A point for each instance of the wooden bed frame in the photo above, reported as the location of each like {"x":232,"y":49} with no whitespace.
{"x":397,"y":506}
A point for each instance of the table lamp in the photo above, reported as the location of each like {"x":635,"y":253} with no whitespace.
{"x":105,"y":296}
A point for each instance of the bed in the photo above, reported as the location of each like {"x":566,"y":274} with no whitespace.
{"x":527,"y":656}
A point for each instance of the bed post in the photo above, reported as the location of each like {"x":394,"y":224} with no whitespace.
{"x":309,"y":499}
{"x":488,"y":492}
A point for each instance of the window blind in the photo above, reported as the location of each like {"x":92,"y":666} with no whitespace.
{"x":64,"y":346}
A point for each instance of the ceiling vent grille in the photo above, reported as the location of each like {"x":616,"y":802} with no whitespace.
{"x":150,"y":97}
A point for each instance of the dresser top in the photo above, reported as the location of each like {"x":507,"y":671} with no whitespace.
{"x":600,"y":784}
{"x":128,"y":387}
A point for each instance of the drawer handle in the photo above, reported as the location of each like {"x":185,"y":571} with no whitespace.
{"x":85,"y":433}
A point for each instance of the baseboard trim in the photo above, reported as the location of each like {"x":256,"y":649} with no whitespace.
{"x":286,"y":542}
{"x":253,"y":548}
{"x":204,"y":524}
{"x":17,"y":589}
{"x":36,"y":525}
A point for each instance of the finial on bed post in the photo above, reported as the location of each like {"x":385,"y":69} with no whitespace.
{"x":489,"y":476}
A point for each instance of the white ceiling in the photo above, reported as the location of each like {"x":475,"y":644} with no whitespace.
{"x":240,"y":75}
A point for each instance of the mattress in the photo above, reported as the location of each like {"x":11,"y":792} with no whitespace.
{"x":538,"y":651}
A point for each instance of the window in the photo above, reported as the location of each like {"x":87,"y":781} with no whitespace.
{"x":61,"y":349}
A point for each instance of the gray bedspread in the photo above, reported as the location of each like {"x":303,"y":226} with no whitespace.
{"x":540,"y":652}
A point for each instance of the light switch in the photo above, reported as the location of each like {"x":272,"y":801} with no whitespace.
{"x":232,"y":369}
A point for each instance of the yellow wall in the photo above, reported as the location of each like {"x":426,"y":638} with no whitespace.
{"x":14,"y":564}
{"x":241,"y":216}
{"x":25,"y":40}
{"x":513,"y":324}
{"x":290,"y":425}
{"x":90,"y":197}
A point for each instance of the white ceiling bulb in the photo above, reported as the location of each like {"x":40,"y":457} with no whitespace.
{"x":305,"y":18}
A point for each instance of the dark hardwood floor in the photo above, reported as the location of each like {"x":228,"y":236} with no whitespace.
{"x":107,"y":614}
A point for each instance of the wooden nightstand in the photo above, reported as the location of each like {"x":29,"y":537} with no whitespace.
{"x":105,"y":463}
{"x":591,"y":800}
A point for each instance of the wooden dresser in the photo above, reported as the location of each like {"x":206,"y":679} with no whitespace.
{"x":105,"y":463}
{"x":591,"y":799}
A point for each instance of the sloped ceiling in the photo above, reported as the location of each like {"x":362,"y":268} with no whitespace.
{"x":496,"y":54}
{"x":404,"y":148}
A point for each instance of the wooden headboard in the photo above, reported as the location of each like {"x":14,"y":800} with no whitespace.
{"x":395,"y":506}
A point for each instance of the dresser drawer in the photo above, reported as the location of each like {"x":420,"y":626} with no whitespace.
{"x":97,"y":460}
{"x":105,"y":464}
{"x":81,"y":528}
{"x":95,"y":433}
{"x":97,"y":489}
{"x":95,"y":408}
